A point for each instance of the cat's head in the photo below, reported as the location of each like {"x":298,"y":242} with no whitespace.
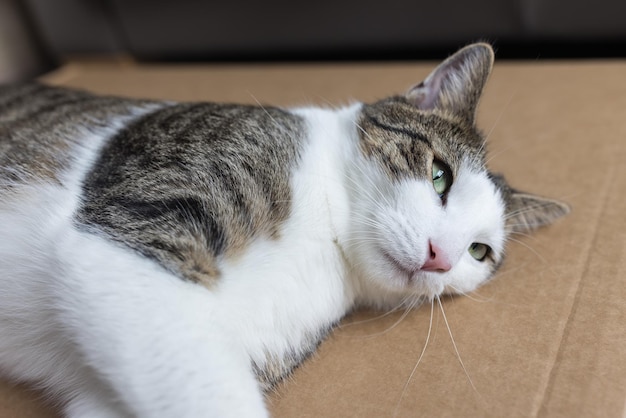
{"x":430,"y":218}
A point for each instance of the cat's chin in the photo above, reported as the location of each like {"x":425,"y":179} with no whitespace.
{"x":417,"y":283}
{"x":401,"y":288}
{"x":428,"y":284}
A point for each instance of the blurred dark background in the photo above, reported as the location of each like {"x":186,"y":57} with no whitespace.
{"x":37,"y":35}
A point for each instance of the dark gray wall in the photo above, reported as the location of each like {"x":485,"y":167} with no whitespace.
{"x":32,"y":31}
{"x":251,"y":28}
{"x":21,"y":56}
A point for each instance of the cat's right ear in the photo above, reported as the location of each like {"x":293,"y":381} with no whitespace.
{"x":526,"y":212}
{"x":457,"y":83}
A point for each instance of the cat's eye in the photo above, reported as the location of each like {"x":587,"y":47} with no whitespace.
{"x":441,"y":178}
{"x":479,"y":251}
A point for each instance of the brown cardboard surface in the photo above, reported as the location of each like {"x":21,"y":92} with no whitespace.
{"x":547,"y":337}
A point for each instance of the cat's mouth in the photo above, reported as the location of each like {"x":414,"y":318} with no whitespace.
{"x":400,"y":267}
{"x":415,"y":279}
{"x":412,"y":271}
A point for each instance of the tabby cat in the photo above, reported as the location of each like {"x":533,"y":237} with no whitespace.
{"x":165,"y":259}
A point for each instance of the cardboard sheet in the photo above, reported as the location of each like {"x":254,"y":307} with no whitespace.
{"x":545,"y":338}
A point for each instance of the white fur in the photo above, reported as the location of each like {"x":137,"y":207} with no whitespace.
{"x":113,"y":334}
{"x":401,"y":219}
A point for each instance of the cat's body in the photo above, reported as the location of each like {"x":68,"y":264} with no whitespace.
{"x":162,"y":259}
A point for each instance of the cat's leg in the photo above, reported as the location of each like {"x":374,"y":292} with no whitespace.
{"x":44,"y":357}
{"x":160,"y":343}
{"x":82,"y":393}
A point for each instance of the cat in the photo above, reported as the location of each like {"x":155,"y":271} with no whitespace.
{"x":164,"y":259}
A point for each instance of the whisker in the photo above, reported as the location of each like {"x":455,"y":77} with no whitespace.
{"x":504,"y":108}
{"x":376,"y":318}
{"x":379,"y":194}
{"x":328,"y":103}
{"x":531,"y":249}
{"x":445,"y":319}
{"x":406,"y":312}
{"x":481,"y":299}
{"x":479,"y":154}
{"x":280,"y":126}
{"x":494,"y":155}
{"x":526,"y":209}
{"x":523,"y":234}
{"x":419,"y":360}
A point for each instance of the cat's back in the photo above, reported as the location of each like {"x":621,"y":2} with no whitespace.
{"x":180,"y":183}
{"x":43,"y":128}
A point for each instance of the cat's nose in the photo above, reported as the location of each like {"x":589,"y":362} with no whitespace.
{"x":438,"y":261}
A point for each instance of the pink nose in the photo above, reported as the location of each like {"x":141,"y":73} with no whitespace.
{"x":438,"y":261}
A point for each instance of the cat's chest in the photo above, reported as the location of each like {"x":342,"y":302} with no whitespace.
{"x":285,"y":296}
{"x":286,"y":292}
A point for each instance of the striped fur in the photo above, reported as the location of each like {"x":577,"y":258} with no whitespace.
{"x":190,"y":183}
{"x":39,"y":126}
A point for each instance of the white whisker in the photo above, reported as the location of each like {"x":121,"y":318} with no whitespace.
{"x":419,"y":360}
{"x":445,"y":319}
{"x":407,"y":310}
{"x":376,"y":318}
{"x":531,"y":249}
{"x":480,"y":299}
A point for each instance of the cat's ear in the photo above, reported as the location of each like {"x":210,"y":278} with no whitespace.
{"x":526,"y":212}
{"x":457,"y":83}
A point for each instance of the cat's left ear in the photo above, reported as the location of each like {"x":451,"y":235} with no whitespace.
{"x":457,"y":83}
{"x":526,"y":212}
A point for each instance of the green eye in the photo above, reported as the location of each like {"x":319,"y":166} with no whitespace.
{"x":479,"y":251}
{"x":441,"y":178}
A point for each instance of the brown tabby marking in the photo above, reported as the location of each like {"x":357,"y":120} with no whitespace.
{"x":195,"y":182}
{"x":41,"y":126}
{"x":184,"y":185}
{"x":404,"y":140}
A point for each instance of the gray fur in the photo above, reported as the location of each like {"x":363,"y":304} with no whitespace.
{"x":525,"y":211}
{"x":190,"y":183}
{"x":40,"y":127}
{"x":433,"y":120}
{"x":273,"y":370}
{"x":404,"y":140}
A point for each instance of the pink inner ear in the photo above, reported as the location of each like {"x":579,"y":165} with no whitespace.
{"x":425,"y":95}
